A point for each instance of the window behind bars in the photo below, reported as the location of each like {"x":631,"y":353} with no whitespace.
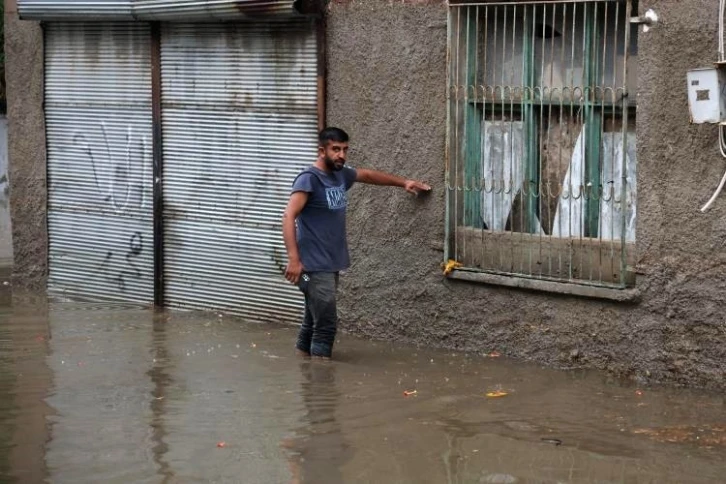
{"x":541,"y":149}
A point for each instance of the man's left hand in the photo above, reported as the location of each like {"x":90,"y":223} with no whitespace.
{"x":416,"y":187}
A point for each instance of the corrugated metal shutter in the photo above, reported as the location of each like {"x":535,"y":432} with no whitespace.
{"x":147,"y":10}
{"x":240,"y":121}
{"x":98,"y":116}
{"x":210,"y":9}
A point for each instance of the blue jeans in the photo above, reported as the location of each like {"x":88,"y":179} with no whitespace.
{"x":318,"y":329}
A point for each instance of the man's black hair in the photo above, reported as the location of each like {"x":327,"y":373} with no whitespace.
{"x":336,"y":135}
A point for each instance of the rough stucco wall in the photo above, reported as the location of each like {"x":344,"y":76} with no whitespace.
{"x":26,"y":149}
{"x":386,"y":86}
{"x":681,"y":251}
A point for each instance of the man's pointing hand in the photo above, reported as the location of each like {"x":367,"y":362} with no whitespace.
{"x":416,"y":187}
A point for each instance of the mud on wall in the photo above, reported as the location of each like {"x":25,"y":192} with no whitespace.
{"x":386,"y":86}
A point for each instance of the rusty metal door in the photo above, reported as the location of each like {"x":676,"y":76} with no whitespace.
{"x":99,"y":141}
{"x":239,"y":104}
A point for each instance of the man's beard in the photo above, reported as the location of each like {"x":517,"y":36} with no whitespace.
{"x":331,"y":165}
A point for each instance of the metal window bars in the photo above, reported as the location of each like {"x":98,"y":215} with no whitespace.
{"x":541,"y":159}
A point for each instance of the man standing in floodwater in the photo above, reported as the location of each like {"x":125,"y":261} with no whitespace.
{"x":313,"y":228}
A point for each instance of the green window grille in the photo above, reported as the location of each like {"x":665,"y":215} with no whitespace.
{"x":541,"y":148}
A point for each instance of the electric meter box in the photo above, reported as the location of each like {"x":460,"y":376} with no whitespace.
{"x":707,"y":95}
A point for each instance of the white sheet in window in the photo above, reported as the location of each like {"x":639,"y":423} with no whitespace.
{"x":570,"y":209}
{"x":502,"y":159}
{"x":612,"y":208}
{"x":570,"y":216}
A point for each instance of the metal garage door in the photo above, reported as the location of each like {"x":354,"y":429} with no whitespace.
{"x":240,"y":118}
{"x":98,"y":115}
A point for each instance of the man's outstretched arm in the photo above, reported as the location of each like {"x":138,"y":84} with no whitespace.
{"x":294,"y":207}
{"x":373,"y":177}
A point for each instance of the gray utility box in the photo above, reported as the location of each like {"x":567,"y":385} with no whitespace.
{"x":707,"y":95}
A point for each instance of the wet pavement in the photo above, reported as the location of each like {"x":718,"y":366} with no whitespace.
{"x":119,"y":394}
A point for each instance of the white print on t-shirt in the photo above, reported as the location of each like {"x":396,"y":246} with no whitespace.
{"x":337,"y":198}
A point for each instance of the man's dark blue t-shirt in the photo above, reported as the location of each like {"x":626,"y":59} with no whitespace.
{"x":321,"y":235}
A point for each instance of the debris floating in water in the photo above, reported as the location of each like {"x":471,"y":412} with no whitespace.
{"x":497,"y":394}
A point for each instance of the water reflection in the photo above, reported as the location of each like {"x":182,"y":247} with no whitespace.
{"x":25,"y":381}
{"x":8,"y":406}
{"x":454,"y":457}
{"x":161,"y":379}
{"x":116,"y":393}
{"x":318,"y":450}
{"x":100,"y":359}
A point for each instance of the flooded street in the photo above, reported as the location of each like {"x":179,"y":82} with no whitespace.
{"x":118,"y":394}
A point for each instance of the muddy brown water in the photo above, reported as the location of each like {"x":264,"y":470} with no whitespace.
{"x":114,"y":393}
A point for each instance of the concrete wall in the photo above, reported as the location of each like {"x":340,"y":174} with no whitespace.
{"x":386,"y":86}
{"x":26,"y":149}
